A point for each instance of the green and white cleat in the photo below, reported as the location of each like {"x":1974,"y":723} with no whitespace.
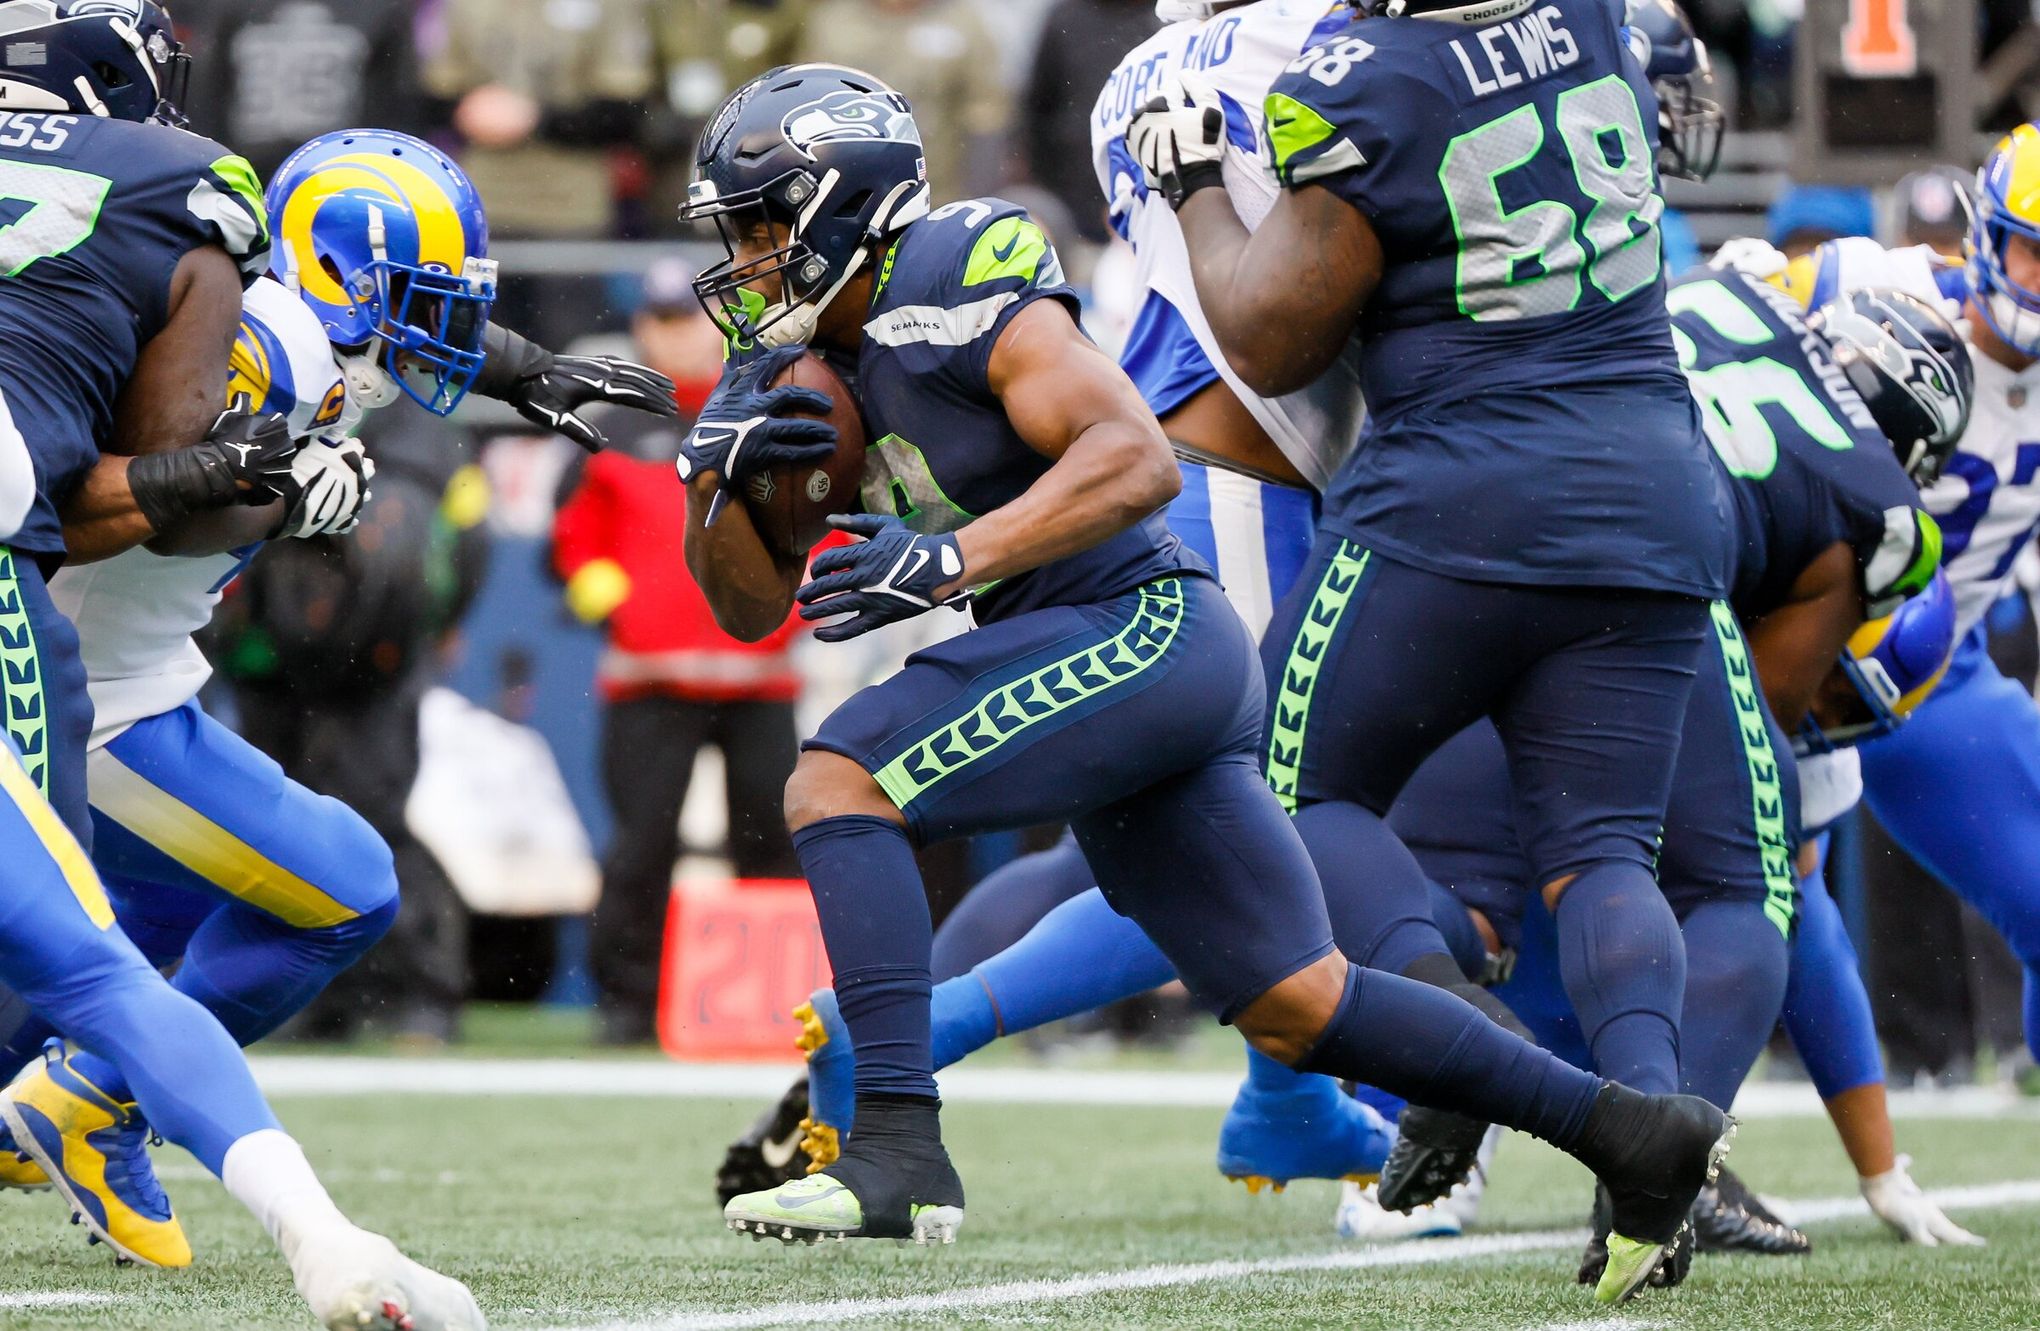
{"x":1631,"y":1263}
{"x":819,"y":1207}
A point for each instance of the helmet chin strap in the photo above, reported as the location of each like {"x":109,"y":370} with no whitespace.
{"x":368,"y":383}
{"x":783,"y":324}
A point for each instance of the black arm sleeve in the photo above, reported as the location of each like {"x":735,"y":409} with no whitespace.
{"x":507,"y":360}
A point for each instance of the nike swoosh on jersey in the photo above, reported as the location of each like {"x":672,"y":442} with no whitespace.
{"x":1005,"y":252}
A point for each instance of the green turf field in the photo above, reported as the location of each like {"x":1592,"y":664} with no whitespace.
{"x":585,"y":1213}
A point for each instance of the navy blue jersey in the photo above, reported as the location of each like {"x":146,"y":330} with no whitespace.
{"x":1529,"y":423}
{"x":942,"y":451}
{"x":1805,"y":463}
{"x":94,"y":216}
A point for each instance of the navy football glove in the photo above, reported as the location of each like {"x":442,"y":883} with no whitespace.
{"x":891,"y":574}
{"x":744,"y":428}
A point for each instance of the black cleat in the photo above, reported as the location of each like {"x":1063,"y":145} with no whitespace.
{"x":893,"y":1181}
{"x":769,"y":1152}
{"x":1671,"y":1268}
{"x":1727,"y":1217}
{"x":1434,"y":1152}
{"x":1653,"y":1153}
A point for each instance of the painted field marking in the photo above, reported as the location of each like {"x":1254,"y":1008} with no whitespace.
{"x":1416,"y":1252}
{"x":343,"y":1075}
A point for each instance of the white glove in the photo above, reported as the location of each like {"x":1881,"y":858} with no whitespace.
{"x":1751,"y":255}
{"x":328,"y":489}
{"x":1899,"y":1203}
{"x":1179,"y":137}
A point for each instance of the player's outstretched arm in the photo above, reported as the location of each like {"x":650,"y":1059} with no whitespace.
{"x":1071,"y":402}
{"x":171,"y":402}
{"x":1795,"y":646}
{"x":550,"y":390}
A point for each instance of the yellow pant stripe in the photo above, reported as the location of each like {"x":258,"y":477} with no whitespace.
{"x":56,"y":839}
{"x":204,"y":847}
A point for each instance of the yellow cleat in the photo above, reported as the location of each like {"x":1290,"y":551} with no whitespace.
{"x":96,"y":1151}
{"x":824,"y":1041}
{"x":20,"y":1171}
{"x":823,"y":1144}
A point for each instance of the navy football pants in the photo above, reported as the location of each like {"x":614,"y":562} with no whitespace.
{"x":1372,"y":665}
{"x":1137,"y":720}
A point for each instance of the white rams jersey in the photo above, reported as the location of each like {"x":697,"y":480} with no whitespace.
{"x":1988,"y":497}
{"x":136,"y":612}
{"x":1240,"y":51}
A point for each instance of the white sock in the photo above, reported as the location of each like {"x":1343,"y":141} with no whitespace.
{"x":267,"y":1172}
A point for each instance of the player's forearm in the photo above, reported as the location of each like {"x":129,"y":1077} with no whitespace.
{"x":748,"y":590}
{"x":219,"y":530}
{"x":101,"y":518}
{"x":1862,"y":1119}
{"x":1237,"y":312}
{"x":1115,"y":474}
{"x":105,"y":517}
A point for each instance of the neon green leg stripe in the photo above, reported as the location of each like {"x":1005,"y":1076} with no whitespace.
{"x":1306,"y":657}
{"x":27,"y":720}
{"x":1012,"y":709}
{"x":1780,"y":896}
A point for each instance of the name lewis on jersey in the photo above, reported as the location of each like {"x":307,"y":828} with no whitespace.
{"x":1516,"y":52}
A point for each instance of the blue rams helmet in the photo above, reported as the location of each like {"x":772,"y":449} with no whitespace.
{"x":1910,"y":365}
{"x":1890,"y":665}
{"x":829,"y":153}
{"x":385,"y":238}
{"x":117,"y":59}
{"x":2007,"y":204}
{"x":1675,"y":61}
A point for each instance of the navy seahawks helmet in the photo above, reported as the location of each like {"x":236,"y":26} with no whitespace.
{"x":1910,"y":365}
{"x":1675,"y":61}
{"x":831,"y":154}
{"x":118,"y":59}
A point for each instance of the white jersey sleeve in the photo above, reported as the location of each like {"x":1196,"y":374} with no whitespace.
{"x":1987,"y":500}
{"x":1241,"y":51}
{"x":136,"y":612}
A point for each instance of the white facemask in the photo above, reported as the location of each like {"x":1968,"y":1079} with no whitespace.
{"x":2020,"y":328}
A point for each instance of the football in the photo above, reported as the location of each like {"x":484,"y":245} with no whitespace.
{"x":790,"y":505}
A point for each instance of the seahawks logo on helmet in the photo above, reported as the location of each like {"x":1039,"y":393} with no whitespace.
{"x":131,"y":10}
{"x":842,"y":115}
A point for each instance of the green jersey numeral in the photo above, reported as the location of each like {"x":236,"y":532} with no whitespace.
{"x":898,"y":480}
{"x":63,"y":212}
{"x":1732,"y":396}
{"x":1527,"y":262}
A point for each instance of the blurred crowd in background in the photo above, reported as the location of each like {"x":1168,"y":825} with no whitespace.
{"x":508,"y":670}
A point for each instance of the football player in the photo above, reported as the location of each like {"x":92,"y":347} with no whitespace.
{"x":1109,"y":684}
{"x":122,"y":290}
{"x":1255,"y":532}
{"x":1453,"y":815}
{"x":1471,"y":189}
{"x":1959,"y":786}
{"x":263,"y":890}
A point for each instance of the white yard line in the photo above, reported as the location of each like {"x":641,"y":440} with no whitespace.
{"x":342,"y":1074}
{"x":55,"y":1299}
{"x":1420,"y":1252}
